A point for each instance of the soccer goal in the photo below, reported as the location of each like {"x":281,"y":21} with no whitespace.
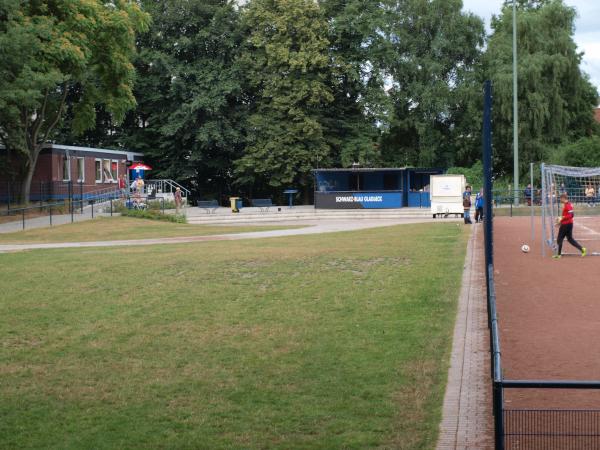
{"x":581,"y":184}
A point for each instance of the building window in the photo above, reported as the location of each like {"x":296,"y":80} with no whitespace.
{"x":114,"y":170}
{"x":81,"y":170}
{"x":66,"y":169}
{"x":98,"y":171}
{"x":106,"y":174}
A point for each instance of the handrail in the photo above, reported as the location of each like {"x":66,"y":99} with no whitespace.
{"x":45,"y":205}
{"x":551,"y":384}
{"x":172,"y":184}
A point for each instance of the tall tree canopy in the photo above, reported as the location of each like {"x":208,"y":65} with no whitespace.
{"x":190,"y":114}
{"x":50,"y":49}
{"x":435,"y":88}
{"x":556,"y":99}
{"x":285,"y":64}
{"x":251,"y":96}
{"x":358,"y":59}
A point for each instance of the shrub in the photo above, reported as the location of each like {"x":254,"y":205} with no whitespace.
{"x":474,"y":175}
{"x":157,"y":204}
{"x":584,"y":152}
{"x":153,"y":215}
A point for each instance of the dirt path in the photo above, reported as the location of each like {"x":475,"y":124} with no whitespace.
{"x":549,"y":316}
{"x":324,"y":226}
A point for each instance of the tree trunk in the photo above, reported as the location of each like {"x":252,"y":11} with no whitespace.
{"x":32,"y":157}
{"x":23,"y":198}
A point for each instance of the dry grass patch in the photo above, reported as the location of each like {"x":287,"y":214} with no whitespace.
{"x":122,"y":228}
{"x":325,"y":341}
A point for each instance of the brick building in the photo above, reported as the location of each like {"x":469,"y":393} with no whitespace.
{"x":84,"y":169}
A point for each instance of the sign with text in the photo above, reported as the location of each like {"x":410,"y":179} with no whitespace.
{"x":358,"y":200}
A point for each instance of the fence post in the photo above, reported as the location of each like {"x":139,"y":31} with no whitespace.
{"x":8,"y":191}
{"x":163,"y":204}
{"x":111,"y":207}
{"x":81,"y":195}
{"x":487,"y":175}
{"x":92,"y":202}
{"x":498,"y":404}
{"x":23,"y":216}
{"x":50,"y":211}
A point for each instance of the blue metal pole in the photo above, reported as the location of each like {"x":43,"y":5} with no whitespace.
{"x":487,"y":173}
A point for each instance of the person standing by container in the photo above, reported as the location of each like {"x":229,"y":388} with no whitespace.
{"x":467,"y":205}
{"x":479,"y":206}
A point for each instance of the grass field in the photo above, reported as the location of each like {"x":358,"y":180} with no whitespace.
{"x":325,"y":341}
{"x":111,"y":228}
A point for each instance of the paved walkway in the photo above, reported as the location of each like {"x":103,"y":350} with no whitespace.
{"x":323,"y":226}
{"x":44,"y":221}
{"x":467,"y":420}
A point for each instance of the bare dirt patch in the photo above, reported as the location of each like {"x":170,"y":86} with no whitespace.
{"x":549,"y":314}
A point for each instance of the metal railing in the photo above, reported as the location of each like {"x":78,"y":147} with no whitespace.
{"x":552,"y":429}
{"x":70,"y":209}
{"x":577,"y":195}
{"x":166,"y":186}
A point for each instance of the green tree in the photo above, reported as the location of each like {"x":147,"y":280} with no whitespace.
{"x":50,"y":48}
{"x":285,"y":63}
{"x":584,"y":152}
{"x":435,"y":86}
{"x":358,"y":56}
{"x":556,"y":99}
{"x":190,"y":117}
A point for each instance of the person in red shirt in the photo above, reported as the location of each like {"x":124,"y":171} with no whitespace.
{"x":122,"y":186}
{"x":566,"y":227}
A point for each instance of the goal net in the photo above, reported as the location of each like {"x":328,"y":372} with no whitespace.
{"x":581,"y":184}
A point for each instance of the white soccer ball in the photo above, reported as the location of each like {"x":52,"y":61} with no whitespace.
{"x":525,"y":248}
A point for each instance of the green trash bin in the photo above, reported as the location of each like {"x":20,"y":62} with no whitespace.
{"x":236,"y":204}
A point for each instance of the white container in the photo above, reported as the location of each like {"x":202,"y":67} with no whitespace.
{"x":446,"y":195}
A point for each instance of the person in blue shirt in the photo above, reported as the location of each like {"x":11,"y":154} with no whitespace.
{"x":528,"y":194}
{"x":479,"y":206}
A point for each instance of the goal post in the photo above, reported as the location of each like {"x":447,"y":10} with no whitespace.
{"x":581,"y":184}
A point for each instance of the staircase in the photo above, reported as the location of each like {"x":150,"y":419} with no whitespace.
{"x":300,"y":214}
{"x":165,"y":187}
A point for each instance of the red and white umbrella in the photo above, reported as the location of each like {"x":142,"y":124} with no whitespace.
{"x":140,"y":166}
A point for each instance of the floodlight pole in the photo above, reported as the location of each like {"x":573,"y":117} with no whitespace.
{"x":515,"y":108}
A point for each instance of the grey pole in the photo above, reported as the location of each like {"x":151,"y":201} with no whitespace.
{"x":532,"y":201}
{"x":544,"y":204}
{"x":515,"y":107}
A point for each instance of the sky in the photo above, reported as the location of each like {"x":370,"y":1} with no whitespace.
{"x":587,"y":29}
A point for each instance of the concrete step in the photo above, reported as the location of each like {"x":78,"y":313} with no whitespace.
{"x":247,"y":215}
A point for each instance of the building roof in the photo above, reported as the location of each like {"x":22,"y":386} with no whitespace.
{"x":125,"y":153}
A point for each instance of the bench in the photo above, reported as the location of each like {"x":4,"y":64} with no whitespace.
{"x":210,"y":206}
{"x":263,"y":203}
